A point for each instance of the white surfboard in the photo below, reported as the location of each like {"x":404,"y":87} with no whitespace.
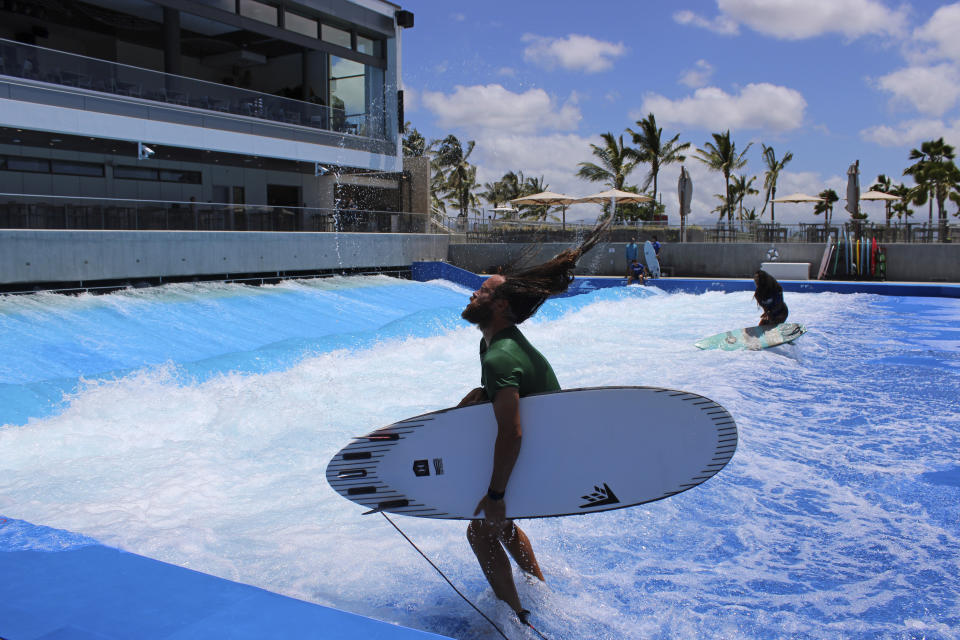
{"x":825,"y":261}
{"x":650,"y":255}
{"x":584,"y":450}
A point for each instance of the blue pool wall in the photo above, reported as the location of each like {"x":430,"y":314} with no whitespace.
{"x":424,"y":271}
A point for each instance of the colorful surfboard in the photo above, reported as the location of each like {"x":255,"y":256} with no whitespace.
{"x":753,"y":338}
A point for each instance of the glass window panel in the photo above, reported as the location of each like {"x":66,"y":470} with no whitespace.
{"x":135,"y":173}
{"x":259,"y":11}
{"x":298,"y":24}
{"x":347,"y":86}
{"x":367,"y":46}
{"x":175,"y":175}
{"x":70,"y":168}
{"x":335,"y":36}
{"x":34,"y":165}
{"x":225,"y":5}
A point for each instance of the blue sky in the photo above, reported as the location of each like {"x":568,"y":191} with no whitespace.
{"x":832,"y":81}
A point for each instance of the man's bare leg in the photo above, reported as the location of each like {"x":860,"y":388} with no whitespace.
{"x":517,"y":543}
{"x":485,"y":541}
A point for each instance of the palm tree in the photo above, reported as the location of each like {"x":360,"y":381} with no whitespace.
{"x":414,"y":144}
{"x":740,"y":188}
{"x":771,"y":175}
{"x":827,"y":198}
{"x":721,"y":155}
{"x":901,"y":208}
{"x":616,"y":163}
{"x":460,"y":177}
{"x":529,"y":187}
{"x":651,"y":148}
{"x":934,"y":172}
{"x":503,"y":190}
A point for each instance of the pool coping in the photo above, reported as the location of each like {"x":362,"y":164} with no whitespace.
{"x":57,"y":584}
{"x":424,"y":271}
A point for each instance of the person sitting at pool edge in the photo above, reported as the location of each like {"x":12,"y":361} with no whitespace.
{"x":511,"y":368}
{"x":637,"y":272}
{"x":769,"y":297}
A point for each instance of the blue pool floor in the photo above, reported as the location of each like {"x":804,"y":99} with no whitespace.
{"x":92,"y":592}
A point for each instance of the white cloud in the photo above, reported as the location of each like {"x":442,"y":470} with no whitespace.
{"x":913,"y":132}
{"x":492,"y":107}
{"x":793,"y":20}
{"x":574,"y":53}
{"x":941,"y":32}
{"x":458,"y":17}
{"x":699,"y":76}
{"x":757,"y":106}
{"x":721,"y":24}
{"x":508,"y":72}
{"x":931,"y":90}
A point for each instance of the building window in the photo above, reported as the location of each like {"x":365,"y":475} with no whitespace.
{"x":184,"y":177}
{"x":71,"y":168}
{"x":135,"y":173}
{"x":368,"y":46}
{"x":299,"y":24}
{"x":32,"y":165}
{"x":335,"y":36}
{"x":259,"y":11}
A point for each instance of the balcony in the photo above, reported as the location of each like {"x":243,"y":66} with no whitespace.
{"x":38,"y":64}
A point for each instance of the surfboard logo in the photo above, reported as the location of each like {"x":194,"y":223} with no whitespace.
{"x":421,"y":468}
{"x":599,"y":497}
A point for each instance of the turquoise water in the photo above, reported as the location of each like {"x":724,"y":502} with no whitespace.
{"x":192,"y":423}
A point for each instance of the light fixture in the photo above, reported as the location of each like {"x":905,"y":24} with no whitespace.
{"x":319,"y":169}
{"x":144,"y":152}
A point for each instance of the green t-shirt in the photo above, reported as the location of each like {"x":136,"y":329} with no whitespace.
{"x":511,"y":361}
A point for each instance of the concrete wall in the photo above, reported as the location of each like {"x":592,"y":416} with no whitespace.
{"x":70,"y":256}
{"x":905,"y":262}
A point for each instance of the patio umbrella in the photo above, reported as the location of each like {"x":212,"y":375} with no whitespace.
{"x":614,"y":195}
{"x":880,"y":195}
{"x":503,"y":210}
{"x":853,"y":189}
{"x":797,"y":197}
{"x":548,"y":198}
{"x":685,"y":194}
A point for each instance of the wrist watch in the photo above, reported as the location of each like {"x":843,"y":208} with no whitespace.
{"x":495,"y":495}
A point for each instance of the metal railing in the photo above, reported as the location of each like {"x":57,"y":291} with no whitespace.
{"x":67,"y":69}
{"x":479,"y":230}
{"x":19,"y":211}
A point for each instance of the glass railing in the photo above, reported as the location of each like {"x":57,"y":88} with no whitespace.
{"x":477,"y":229}
{"x":71,"y":70}
{"x":20,"y":211}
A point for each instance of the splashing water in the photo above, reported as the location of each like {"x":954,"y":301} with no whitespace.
{"x":193,"y":423}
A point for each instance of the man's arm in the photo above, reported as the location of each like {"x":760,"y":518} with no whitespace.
{"x":475,"y":396}
{"x":506,"y":449}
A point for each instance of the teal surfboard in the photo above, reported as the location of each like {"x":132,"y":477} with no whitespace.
{"x":753,"y":338}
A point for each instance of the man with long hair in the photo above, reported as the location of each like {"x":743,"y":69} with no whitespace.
{"x":511,"y":368}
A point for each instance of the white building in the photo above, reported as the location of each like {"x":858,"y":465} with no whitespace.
{"x":280,"y":103}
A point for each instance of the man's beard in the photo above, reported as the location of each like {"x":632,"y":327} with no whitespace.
{"x":479,"y":314}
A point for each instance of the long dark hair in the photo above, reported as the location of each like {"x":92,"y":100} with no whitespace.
{"x":767,"y":286}
{"x":529,"y":288}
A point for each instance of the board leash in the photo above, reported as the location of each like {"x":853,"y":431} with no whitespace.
{"x":523,"y":616}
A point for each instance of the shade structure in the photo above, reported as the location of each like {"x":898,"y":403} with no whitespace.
{"x":878,"y":195}
{"x":503,"y":211}
{"x":615,"y":195}
{"x":797,"y":197}
{"x":548,"y":198}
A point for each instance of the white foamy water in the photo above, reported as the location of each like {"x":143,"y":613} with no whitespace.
{"x":206,"y":415}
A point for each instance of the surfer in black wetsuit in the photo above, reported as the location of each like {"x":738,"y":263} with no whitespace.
{"x":769,"y":296}
{"x":510,"y":369}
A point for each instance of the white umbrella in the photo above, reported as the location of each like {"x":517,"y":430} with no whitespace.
{"x":549,"y":198}
{"x":879,"y":195}
{"x":797,"y":197}
{"x":614,"y":195}
{"x":503,"y":210}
